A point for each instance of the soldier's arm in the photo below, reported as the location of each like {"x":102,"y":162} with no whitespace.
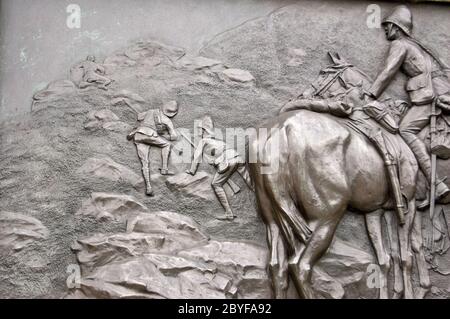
{"x":394,"y":61}
{"x":141,"y":116}
{"x":170,"y":127}
{"x":444,"y":102}
{"x":198,"y":154}
{"x":100,"y":69}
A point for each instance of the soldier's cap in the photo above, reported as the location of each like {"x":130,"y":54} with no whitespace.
{"x":170,"y":109}
{"x":402,"y":18}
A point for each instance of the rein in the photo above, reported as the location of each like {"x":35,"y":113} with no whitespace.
{"x":327,"y":85}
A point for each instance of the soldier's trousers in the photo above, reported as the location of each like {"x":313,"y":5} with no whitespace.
{"x":415,"y":120}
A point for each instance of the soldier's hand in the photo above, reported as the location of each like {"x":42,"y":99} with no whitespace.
{"x":368,"y":97}
{"x":444,"y":102}
{"x":173,"y":138}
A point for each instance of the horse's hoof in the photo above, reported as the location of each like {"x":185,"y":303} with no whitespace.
{"x":397,"y":295}
{"x":421,"y":292}
{"x":150,"y":193}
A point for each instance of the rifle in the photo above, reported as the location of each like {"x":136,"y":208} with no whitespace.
{"x":233,"y":186}
{"x":433,"y":161}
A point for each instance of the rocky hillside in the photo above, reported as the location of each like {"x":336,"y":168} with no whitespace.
{"x":72,"y":194}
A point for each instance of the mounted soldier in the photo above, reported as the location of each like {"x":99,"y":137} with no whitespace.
{"x":366,"y":117}
{"x":155,"y":129}
{"x":427,"y":84}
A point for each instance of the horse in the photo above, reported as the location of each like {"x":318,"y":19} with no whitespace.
{"x":325,"y":169}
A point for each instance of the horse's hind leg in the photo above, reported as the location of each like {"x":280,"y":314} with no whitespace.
{"x":315,"y":248}
{"x":392,"y":227}
{"x":373,"y":224}
{"x":278,"y":267}
{"x":417,"y":248}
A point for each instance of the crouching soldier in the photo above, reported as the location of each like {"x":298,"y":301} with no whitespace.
{"x":155,"y":129}
{"x":226,"y":161}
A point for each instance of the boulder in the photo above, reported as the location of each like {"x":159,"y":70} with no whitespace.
{"x":238,"y":75}
{"x":155,"y":277}
{"x":245,"y":263}
{"x":106,"y":168}
{"x":151,"y":51}
{"x":127,"y":94}
{"x":103,"y":115}
{"x":104,"y":206}
{"x":348,"y":267}
{"x":169,"y":224}
{"x":53,"y":91}
{"x":162,"y":232}
{"x":18,"y":231}
{"x":105,"y":119}
{"x":196,"y":186}
{"x":199,"y":63}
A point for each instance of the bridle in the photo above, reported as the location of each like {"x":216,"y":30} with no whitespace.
{"x":338,"y":70}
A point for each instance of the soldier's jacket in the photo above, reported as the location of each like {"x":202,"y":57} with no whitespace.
{"x":91,"y":70}
{"x":216,"y":153}
{"x":154,"y":123}
{"x":407,"y":56}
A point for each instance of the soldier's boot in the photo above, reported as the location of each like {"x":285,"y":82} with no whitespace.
{"x":422,"y":156}
{"x":149,"y":189}
{"x":442,"y":196}
{"x":392,"y":169}
{"x":223,"y":199}
{"x":165,"y":154}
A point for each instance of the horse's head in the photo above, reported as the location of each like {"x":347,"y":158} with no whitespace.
{"x":339,"y":80}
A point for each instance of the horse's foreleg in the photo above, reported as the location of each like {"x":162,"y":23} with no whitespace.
{"x":417,"y":248}
{"x":373,"y":224}
{"x":404,"y":233}
{"x":392,"y":227}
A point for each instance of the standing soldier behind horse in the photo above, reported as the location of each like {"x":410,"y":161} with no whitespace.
{"x":427,"y":82}
{"x":155,"y":129}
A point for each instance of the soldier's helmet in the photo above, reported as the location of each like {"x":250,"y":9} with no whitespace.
{"x":207,"y":125}
{"x":170,"y":109}
{"x":402,"y":18}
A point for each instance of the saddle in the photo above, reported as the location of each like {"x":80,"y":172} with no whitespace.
{"x":396,"y":147}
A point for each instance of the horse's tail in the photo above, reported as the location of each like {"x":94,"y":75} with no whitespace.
{"x":289,"y":216}
{"x":284,"y":209}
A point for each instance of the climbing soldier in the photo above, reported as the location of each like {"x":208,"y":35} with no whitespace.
{"x":155,"y":129}
{"x":226,"y":161}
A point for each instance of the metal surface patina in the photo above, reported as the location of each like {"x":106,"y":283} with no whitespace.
{"x":289,"y":150}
